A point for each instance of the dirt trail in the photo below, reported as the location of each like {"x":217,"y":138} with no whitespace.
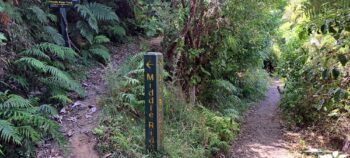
{"x":80,"y":118}
{"x":261,"y":133}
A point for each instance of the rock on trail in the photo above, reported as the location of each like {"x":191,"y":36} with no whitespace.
{"x":261,"y":133}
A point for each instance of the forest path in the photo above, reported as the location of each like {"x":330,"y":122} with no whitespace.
{"x":80,"y":118}
{"x":82,"y":142}
{"x":261,"y":132}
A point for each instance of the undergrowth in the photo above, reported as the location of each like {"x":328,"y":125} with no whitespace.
{"x":191,"y":130}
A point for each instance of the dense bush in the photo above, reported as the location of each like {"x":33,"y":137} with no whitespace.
{"x":36,"y":65}
{"x":315,"y":61}
{"x":23,"y":123}
{"x":189,"y":128}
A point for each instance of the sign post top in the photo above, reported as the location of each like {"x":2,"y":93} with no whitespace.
{"x":154,"y":53}
{"x":62,"y":3}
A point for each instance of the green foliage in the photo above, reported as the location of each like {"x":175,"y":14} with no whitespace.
{"x":315,"y":61}
{"x":192,"y":131}
{"x":37,"y":66}
{"x":127,"y":87}
{"x":92,"y":14}
{"x":22,"y":124}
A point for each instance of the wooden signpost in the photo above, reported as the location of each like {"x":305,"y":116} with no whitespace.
{"x":153,"y":65}
{"x":63,"y":5}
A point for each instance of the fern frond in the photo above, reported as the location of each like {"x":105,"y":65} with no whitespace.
{"x":54,"y":36}
{"x":102,"y":12}
{"x":131,"y":81}
{"x":29,"y":132}
{"x":12,"y":11}
{"x":15,"y":101}
{"x":35,"y":52}
{"x":8,"y":133}
{"x":100,"y":39}
{"x":117,"y":30}
{"x":136,"y":72}
{"x":87,"y":14}
{"x":22,"y":81}
{"x":63,"y":53}
{"x":101,"y":53}
{"x":62,"y":99}
{"x":85,"y":31}
{"x":58,"y":65}
{"x":224,"y":84}
{"x":57,"y":73}
{"x":56,"y":81}
{"x":32,"y":62}
{"x":47,"y":109}
{"x":40,"y":15}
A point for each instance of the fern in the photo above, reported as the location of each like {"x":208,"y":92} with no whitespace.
{"x":22,"y":81}
{"x":8,"y":133}
{"x":12,"y":11}
{"x":62,"y":99}
{"x":91,"y":14}
{"x":22,"y":123}
{"x":39,"y":14}
{"x":29,"y":132}
{"x":32,"y":63}
{"x":14,"y":101}
{"x":100,"y":39}
{"x":41,"y":64}
{"x":46,"y":109}
{"x":101,"y":53}
{"x":85,"y":30}
{"x":90,"y":18}
{"x":63,"y":53}
{"x":59,"y":83}
{"x":54,"y":36}
{"x":35,"y":52}
{"x":102,"y":12}
{"x":117,"y":30}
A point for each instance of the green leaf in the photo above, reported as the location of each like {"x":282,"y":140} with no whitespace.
{"x":100,"y":39}
{"x":117,"y":30}
{"x":342,"y":59}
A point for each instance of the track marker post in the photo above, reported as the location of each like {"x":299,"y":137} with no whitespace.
{"x":154,"y":113}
